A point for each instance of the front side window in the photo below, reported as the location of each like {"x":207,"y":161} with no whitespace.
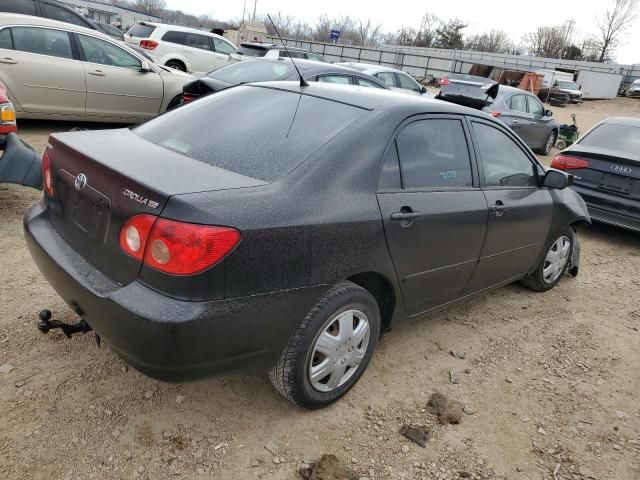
{"x":387,"y":77}
{"x":341,"y":79}
{"x":56,"y":12}
{"x":197,"y":41}
{"x":221,"y":46}
{"x":535,"y":107}
{"x":434,"y":154}
{"x":505,"y":164}
{"x":407,"y":82}
{"x":44,"y":41}
{"x":518,"y":103}
{"x":105,"y":53}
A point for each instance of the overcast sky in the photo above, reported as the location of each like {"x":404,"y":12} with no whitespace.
{"x":516,"y":17}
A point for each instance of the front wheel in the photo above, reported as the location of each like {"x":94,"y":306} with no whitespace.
{"x":549,"y":142}
{"x":176,"y":65}
{"x":554,"y":264}
{"x":330,"y":349}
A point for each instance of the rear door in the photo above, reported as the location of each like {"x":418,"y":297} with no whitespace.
{"x":116,"y":88}
{"x":43,"y":71}
{"x":198,"y":50}
{"x":435,"y":217}
{"x":519,"y":210}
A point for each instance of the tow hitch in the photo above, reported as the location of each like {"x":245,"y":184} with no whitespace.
{"x":45,"y":324}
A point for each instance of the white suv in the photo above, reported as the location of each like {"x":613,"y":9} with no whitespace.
{"x":186,"y":49}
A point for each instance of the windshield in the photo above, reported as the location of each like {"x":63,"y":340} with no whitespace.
{"x":623,"y":138}
{"x":258,"y":132}
{"x":568,"y":85}
{"x":253,"y":71}
{"x":251,"y":51}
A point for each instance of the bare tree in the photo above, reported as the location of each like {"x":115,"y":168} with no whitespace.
{"x":494,"y":41}
{"x":613,"y":25}
{"x":546,"y":41}
{"x":284,"y":24}
{"x":424,"y":36}
{"x":368,"y":32}
{"x":450,"y":34}
{"x":151,"y":7}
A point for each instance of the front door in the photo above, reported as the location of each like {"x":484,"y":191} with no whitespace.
{"x":540,"y":127}
{"x":519,"y":210}
{"x":519,"y":119}
{"x":222,"y":51}
{"x":435,"y":217}
{"x":116,"y":86}
{"x":40,"y":70}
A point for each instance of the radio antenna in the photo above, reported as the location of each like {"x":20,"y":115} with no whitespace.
{"x":303,"y":82}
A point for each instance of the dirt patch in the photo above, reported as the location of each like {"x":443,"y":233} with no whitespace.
{"x":70,"y":410}
{"x":416,"y":433}
{"x":447,"y":411}
{"x":328,"y":468}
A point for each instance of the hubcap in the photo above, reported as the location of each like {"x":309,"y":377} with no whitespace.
{"x":339,"y":350}
{"x":556,"y":260}
{"x":550,"y":142}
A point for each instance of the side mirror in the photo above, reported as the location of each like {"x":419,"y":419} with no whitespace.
{"x":145,"y":67}
{"x":548,"y":113}
{"x":423,"y":90}
{"x":556,"y":179}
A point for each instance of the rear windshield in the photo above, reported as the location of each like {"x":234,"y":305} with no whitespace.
{"x":623,"y":138}
{"x":568,"y":85}
{"x":251,"y":51}
{"x":140,"y":30}
{"x":253,"y":71}
{"x":259,"y":132}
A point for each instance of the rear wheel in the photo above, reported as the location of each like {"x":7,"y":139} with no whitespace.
{"x":554,"y":264}
{"x":177,"y":65}
{"x":330,"y":349}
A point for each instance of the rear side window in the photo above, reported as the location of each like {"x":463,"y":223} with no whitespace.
{"x":434,"y":154}
{"x":252,"y":51}
{"x":245,"y":72}
{"x":141,"y":30}
{"x":340,"y":79}
{"x":221,"y":46}
{"x":26,"y":7}
{"x":284,"y":129}
{"x":390,"y":175}
{"x":315,"y":57}
{"x":5,"y":39}
{"x":623,"y":138}
{"x":54,"y":43}
{"x":174,"y":37}
{"x":504,"y":163}
{"x":62,"y":14}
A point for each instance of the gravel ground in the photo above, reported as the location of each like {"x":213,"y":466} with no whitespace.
{"x":549,"y":383}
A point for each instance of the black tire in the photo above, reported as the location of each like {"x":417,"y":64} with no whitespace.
{"x":176,"y":65}
{"x":536,"y":280}
{"x":549,"y":142}
{"x":175,"y":102}
{"x":290,"y":376}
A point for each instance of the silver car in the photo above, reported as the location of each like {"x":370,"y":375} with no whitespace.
{"x":60,"y":71}
{"x":393,"y":78}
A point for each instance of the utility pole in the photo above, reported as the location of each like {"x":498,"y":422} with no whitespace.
{"x":255,"y":6}
{"x":244,"y":10}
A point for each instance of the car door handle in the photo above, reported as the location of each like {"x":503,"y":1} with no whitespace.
{"x":533,"y":123}
{"x":97,"y":73}
{"x":515,"y":122}
{"x":8,"y":60}
{"x":498,"y":208}
{"x":404,"y":216}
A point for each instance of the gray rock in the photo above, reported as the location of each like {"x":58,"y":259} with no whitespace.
{"x":271,"y":447}
{"x":6,"y":368}
{"x":458,"y":355}
{"x":468,"y":410}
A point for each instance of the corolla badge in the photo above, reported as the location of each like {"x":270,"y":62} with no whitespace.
{"x":139,"y":198}
{"x":80,"y":182}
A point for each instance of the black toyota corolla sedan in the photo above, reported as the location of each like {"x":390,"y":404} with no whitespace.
{"x":606,"y":165}
{"x":282,"y":228}
{"x":271,"y":70}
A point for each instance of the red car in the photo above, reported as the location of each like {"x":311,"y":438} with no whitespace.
{"x":19,"y":163}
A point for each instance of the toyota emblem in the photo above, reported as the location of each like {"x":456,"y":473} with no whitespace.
{"x":81,"y":181}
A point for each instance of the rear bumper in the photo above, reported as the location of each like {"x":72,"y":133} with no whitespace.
{"x":611,"y":209}
{"x":19,"y":162}
{"x":162,"y":337}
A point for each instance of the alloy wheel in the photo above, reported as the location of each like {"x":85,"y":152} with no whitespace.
{"x":338,"y":350}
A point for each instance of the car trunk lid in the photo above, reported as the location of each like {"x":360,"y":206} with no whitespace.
{"x":103,"y":178}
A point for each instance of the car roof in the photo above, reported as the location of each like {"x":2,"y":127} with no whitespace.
{"x":371,"y":98}
{"x":179,"y":28}
{"x":18,"y":19}
{"x":626,"y":121}
{"x":369,"y":68}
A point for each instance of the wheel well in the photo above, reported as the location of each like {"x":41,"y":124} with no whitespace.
{"x":176,"y":61}
{"x":381,"y":289}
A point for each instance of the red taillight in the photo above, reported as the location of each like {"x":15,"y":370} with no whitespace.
{"x":444,"y":81}
{"x":47,"y":174}
{"x":565,"y":162}
{"x":186,"y":98}
{"x":495,"y":114}
{"x":148,"y":44}
{"x":175,"y":247}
